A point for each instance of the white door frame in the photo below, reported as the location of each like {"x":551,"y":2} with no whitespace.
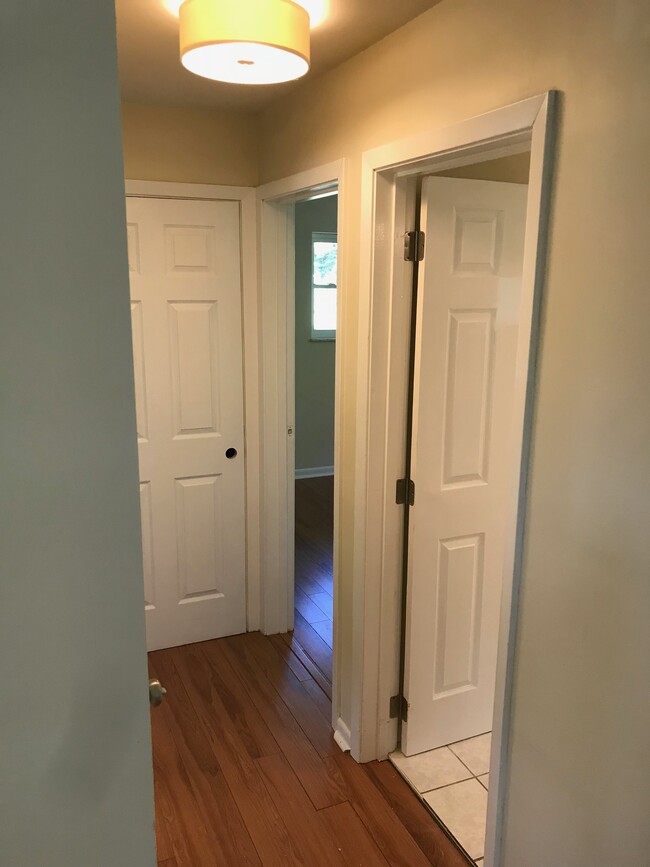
{"x":247,"y":200}
{"x":381,"y":383}
{"x":276,"y":282}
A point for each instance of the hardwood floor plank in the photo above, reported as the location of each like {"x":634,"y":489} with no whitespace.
{"x":390,"y":835}
{"x":249,"y":724}
{"x":289,"y":658}
{"x":269,"y":833}
{"x":310,"y":586}
{"x":217,"y":808}
{"x":216,"y":804}
{"x":429,"y":836}
{"x":324,"y":602}
{"x":309,"y":610}
{"x":324,"y":628}
{"x":314,"y":537}
{"x":294,"y":645}
{"x":255,"y":649}
{"x":351,"y":836}
{"x":310,"y":833}
{"x":313,"y":645}
{"x":320,"y":699}
{"x":168,"y":825}
{"x":193,"y":844}
{"x":316,"y":777}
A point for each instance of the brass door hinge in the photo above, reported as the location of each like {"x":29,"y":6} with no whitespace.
{"x":414,"y":246}
{"x":399,"y":708}
{"x":405,"y":492}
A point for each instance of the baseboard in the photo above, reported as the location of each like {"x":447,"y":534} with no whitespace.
{"x":314,"y":472}
{"x":342,"y":735}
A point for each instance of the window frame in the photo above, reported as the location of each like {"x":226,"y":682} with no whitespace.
{"x":321,"y":335}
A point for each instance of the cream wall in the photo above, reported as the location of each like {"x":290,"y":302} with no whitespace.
{"x":189,"y":145}
{"x":512,"y":169}
{"x":579,"y":785}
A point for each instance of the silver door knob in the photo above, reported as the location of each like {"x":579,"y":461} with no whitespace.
{"x":156,"y":692}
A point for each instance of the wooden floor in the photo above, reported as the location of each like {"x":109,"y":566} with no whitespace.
{"x":246,"y":770}
{"x":312,"y":635}
{"x":247,"y":773}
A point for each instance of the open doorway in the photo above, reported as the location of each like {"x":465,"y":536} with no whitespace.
{"x":465,"y":374}
{"x":316,"y":257}
{"x":301,"y":371}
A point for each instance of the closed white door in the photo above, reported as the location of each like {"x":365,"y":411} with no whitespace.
{"x":184,"y":261}
{"x":462,"y":461}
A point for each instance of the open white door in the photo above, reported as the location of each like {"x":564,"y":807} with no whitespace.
{"x":462,"y":460}
{"x":184,"y":262}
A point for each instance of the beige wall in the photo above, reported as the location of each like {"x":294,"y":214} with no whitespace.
{"x":513,"y":169}
{"x":189,"y":145}
{"x":579,"y":780}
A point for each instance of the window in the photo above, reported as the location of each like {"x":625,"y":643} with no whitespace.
{"x":324,"y":255}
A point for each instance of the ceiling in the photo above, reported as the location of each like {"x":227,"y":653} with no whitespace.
{"x":150,"y":70}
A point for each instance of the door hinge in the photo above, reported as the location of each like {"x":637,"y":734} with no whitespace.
{"x":399,"y":708}
{"x":405,"y":492}
{"x":414,"y":246}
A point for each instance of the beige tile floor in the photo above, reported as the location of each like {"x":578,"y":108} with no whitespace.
{"x":453,"y":782}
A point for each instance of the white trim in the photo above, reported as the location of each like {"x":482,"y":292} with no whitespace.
{"x":342,"y":735}
{"x":173,"y":190}
{"x":380,"y":391}
{"x":248,"y":204}
{"x":292,"y":189}
{"x":321,"y":335}
{"x":276,"y":287}
{"x":314,"y":472}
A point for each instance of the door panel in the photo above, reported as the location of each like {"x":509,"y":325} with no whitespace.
{"x":186,"y":311}
{"x":464,"y":381}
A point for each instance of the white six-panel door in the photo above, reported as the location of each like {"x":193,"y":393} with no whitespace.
{"x":184,"y":260}
{"x":468,"y":313}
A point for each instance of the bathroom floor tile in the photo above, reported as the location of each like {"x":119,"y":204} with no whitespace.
{"x":462,"y":807}
{"x":430,"y":770}
{"x":474,"y":753}
{"x":485,"y":780}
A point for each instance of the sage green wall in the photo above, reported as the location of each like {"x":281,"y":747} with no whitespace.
{"x":314,"y":359}
{"x":76,"y":784}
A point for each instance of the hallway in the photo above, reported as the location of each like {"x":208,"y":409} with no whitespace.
{"x":247,"y":773}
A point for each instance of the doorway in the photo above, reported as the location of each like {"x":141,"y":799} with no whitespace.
{"x":389,"y":194}
{"x":278,"y":203}
{"x":316,"y":257}
{"x":467,"y":311}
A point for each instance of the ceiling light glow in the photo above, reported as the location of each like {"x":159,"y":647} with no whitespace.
{"x":172,"y":6}
{"x":317,"y":10}
{"x":251,"y":42}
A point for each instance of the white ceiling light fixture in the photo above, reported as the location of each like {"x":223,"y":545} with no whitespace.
{"x":245,"y":41}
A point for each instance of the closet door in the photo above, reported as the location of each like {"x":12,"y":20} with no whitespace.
{"x":184,"y":260}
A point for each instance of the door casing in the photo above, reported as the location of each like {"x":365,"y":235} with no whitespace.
{"x":276,"y":282}
{"x":384,"y":308}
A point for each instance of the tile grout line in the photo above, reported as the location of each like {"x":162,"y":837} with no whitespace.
{"x":434,"y":815}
